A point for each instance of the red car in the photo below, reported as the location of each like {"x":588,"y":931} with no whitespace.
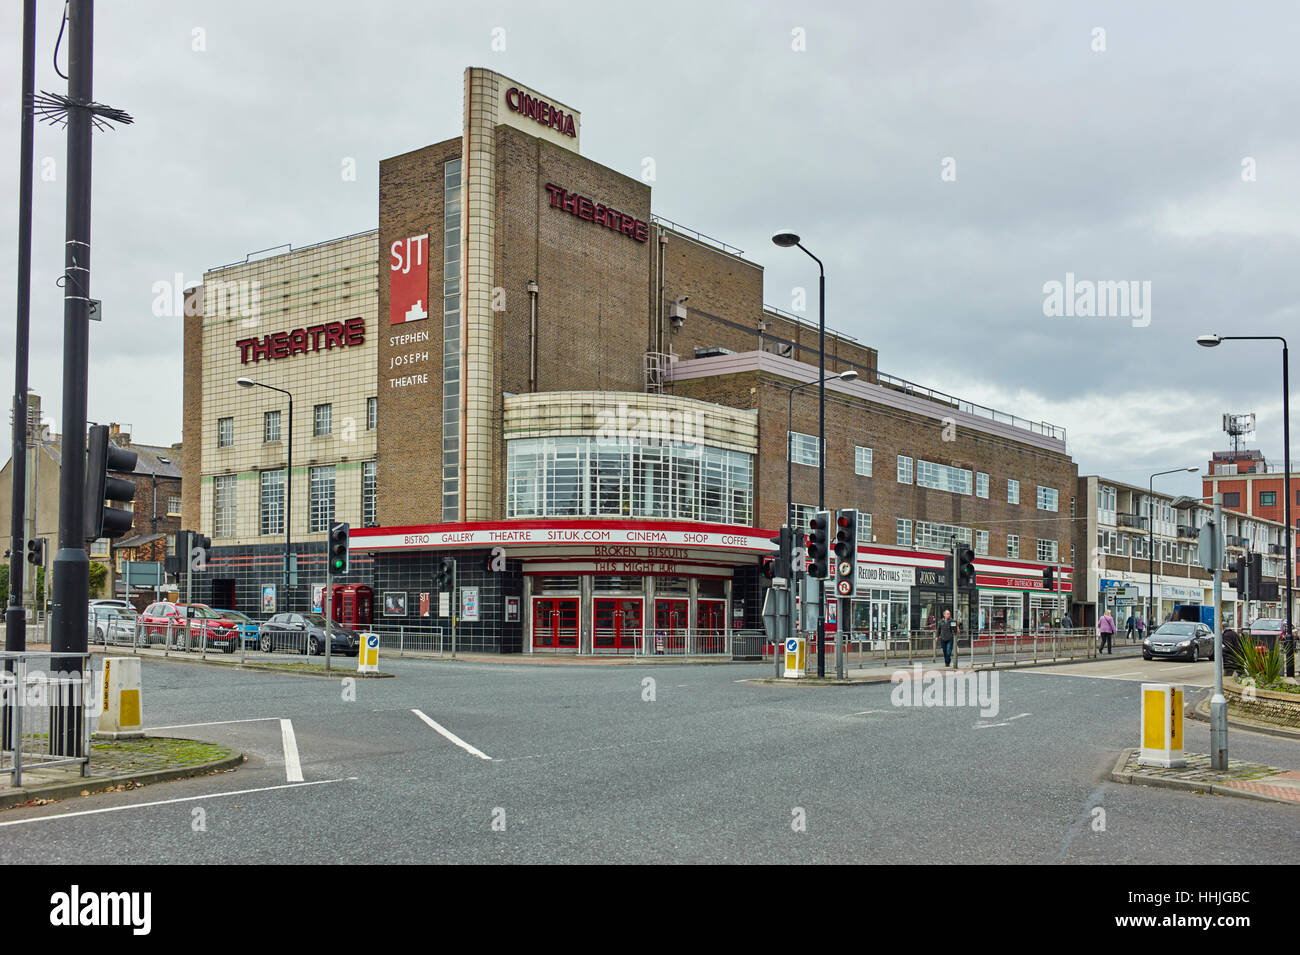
{"x":221,"y":632}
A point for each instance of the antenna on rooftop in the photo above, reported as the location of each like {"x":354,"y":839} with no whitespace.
{"x":1237,"y":425}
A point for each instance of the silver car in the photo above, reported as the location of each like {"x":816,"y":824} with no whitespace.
{"x":111,"y":625}
{"x":1180,"y":639}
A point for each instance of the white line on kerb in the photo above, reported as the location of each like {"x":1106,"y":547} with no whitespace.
{"x":181,"y":726}
{"x":452,"y":736}
{"x":292,"y":767}
{"x":168,"y":802}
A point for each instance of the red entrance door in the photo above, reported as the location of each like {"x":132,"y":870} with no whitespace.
{"x":618,"y":624}
{"x":555,"y":623}
{"x":672,"y":617}
{"x":712,"y":625}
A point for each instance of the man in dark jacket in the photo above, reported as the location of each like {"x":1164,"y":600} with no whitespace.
{"x":947,"y":633}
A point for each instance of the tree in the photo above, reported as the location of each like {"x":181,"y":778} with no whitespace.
{"x":98,"y":576}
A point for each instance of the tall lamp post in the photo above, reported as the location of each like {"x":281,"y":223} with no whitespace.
{"x":785,"y":240}
{"x":1211,"y":341}
{"x":1151,"y":548}
{"x":789,"y":436}
{"x":288,"y":478}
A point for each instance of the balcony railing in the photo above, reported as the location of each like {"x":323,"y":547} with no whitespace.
{"x":1187,"y":532}
{"x":1132,"y":520}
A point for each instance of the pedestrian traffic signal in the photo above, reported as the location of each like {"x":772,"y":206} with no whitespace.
{"x":965,"y":566}
{"x":846,"y":551}
{"x":1049,"y":578}
{"x":819,"y":544}
{"x":36,"y":551}
{"x":446,"y":574}
{"x":102,"y":456}
{"x":338,"y":547}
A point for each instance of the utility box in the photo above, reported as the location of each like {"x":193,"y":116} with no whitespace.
{"x":119,"y":711}
{"x":795,"y":657}
{"x":1162,"y":725}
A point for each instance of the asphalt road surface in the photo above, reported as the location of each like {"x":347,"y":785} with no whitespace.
{"x":525,"y":763}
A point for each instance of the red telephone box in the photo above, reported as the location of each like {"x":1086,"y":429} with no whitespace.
{"x":352,"y":605}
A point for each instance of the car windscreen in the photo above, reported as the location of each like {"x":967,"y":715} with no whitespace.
{"x":1266,"y":625}
{"x":1177,"y":630}
{"x":315,"y":619}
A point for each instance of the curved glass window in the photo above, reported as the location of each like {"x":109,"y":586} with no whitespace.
{"x":600,"y":477}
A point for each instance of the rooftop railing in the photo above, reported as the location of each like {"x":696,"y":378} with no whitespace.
{"x":969,"y":407}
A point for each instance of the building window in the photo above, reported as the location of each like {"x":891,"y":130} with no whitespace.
{"x":322,"y":420}
{"x":1013,"y":492}
{"x":225,"y":432}
{"x":369,"y":493}
{"x":272,"y":502}
{"x":982,"y":543}
{"x":451,"y":242}
{"x":1013,"y":545}
{"x":940,"y":536}
{"x":803,"y":449}
{"x":942,"y":477}
{"x":862,"y":461}
{"x":903,"y":531}
{"x":981,"y":484}
{"x":864,"y":527}
{"x":372,"y":414}
{"x":801,"y":516}
{"x":1047,"y":551}
{"x":1047,"y":498}
{"x":589,"y":476}
{"x":1267,"y":498}
{"x":173,"y":504}
{"x":1232,"y":499}
{"x":223,"y":505}
{"x":904,"y":470}
{"x":271,"y":426}
{"x":320,"y":503}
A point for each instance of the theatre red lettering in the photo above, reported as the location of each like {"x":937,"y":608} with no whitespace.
{"x":300,"y":341}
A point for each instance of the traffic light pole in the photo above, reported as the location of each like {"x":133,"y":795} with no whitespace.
{"x":956,"y":621}
{"x":327,"y":604}
{"x":1218,"y":703}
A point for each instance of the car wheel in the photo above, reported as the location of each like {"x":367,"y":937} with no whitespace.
{"x":1196,"y":652}
{"x":1146,"y":656}
{"x":99,"y":634}
{"x":266,"y":643}
{"x":313,"y":647}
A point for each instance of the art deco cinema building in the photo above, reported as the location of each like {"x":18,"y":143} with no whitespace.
{"x":585,"y":406}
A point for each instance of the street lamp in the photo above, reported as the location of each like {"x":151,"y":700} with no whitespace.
{"x":1151,"y":547}
{"x":1211,"y":341}
{"x":288,"y":474}
{"x":789,"y":436}
{"x":785,"y":239}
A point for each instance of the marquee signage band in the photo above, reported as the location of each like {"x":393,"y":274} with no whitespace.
{"x":586,"y":208}
{"x":302,"y":340}
{"x":408,"y":280}
{"x":543,"y":112}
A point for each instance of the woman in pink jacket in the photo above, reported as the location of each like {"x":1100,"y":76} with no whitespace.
{"x":1106,"y":630}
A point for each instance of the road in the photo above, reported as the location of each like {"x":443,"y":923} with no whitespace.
{"x":586,"y":764}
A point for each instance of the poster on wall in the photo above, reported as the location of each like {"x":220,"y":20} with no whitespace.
{"x":394,"y":603}
{"x":512,"y":610}
{"x":469,"y":604}
{"x":424,"y":605}
{"x":317,"y":598}
{"x":408,"y":280}
{"x":268,"y":598}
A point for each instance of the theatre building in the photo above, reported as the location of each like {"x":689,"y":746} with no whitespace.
{"x":584,"y":406}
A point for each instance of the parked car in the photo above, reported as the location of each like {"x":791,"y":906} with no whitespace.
{"x":123,"y":604}
{"x":1180,"y":638}
{"x":249,"y":628}
{"x":196,"y":620}
{"x":1266,"y":631}
{"x":109,"y":624}
{"x":305,"y":633}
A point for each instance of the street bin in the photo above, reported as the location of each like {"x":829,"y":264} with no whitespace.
{"x":1162,"y":725}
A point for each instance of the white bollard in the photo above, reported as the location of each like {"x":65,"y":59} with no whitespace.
{"x":1162,"y":725}
{"x":119,"y":714}
{"x":368,"y":655}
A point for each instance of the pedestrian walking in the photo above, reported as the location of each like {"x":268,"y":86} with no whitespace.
{"x":1128,"y":626}
{"x":1106,"y":630}
{"x":1141,"y":628}
{"x":947,"y":633}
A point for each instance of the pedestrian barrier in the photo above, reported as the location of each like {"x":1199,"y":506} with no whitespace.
{"x":46,"y":704}
{"x":986,"y":649}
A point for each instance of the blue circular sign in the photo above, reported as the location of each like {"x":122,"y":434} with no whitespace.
{"x":791,"y":645}
{"x":372,"y":640}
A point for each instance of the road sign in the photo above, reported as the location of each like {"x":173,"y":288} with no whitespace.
{"x":845,"y":588}
{"x":368,"y":658}
{"x":1210,"y":547}
{"x":845,"y":568}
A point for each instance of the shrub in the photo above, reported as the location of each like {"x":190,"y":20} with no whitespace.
{"x":1262,"y":664}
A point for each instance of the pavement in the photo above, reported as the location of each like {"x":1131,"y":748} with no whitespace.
{"x":1241,"y":778}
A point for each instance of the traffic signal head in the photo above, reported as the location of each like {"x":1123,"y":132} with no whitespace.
{"x":965,"y":566}
{"x":1049,"y":578}
{"x":338,"y":548}
{"x":36,"y":551}
{"x":846,"y":533}
{"x":779,"y":564}
{"x":446,"y":573}
{"x":819,"y":544}
{"x":102,"y":456}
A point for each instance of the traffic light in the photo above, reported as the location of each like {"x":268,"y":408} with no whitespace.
{"x":446,"y":574}
{"x":338,"y":544}
{"x":819,"y":544}
{"x":102,"y":456}
{"x":1238,"y":567}
{"x":965,"y":566}
{"x":846,"y":551}
{"x":779,"y":564}
{"x":36,"y":551}
{"x":1049,"y":578}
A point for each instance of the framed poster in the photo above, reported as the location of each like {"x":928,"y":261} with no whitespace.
{"x":512,"y":610}
{"x":317,"y":598}
{"x":268,"y":598}
{"x":469,"y":604}
{"x":394,"y":603}
{"x":424,"y":605}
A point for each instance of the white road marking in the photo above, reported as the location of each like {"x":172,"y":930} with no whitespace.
{"x":168,"y":802}
{"x":1178,"y":668}
{"x":292,"y":767}
{"x":452,"y":736}
{"x":1016,"y":717}
{"x":988,"y":726}
{"x":867,"y":712}
{"x":181,"y":726}
{"x":1116,"y":676}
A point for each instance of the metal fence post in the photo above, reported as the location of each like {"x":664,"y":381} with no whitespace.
{"x":401,"y":640}
{"x":21,"y":671}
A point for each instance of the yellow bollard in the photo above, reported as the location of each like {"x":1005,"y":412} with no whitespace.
{"x":1162,"y":725}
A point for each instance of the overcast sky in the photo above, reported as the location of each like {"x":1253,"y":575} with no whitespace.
{"x":946,"y":160}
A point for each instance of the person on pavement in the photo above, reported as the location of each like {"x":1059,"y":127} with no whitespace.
{"x":1106,"y":629}
{"x":947,"y":633}
{"x":1141,"y":628}
{"x":1128,"y":626}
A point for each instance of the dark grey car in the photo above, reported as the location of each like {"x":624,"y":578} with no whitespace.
{"x":305,"y":633}
{"x":1194,"y":641}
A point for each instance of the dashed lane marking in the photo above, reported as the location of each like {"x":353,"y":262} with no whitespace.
{"x":292,"y":766}
{"x":452,"y":736}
